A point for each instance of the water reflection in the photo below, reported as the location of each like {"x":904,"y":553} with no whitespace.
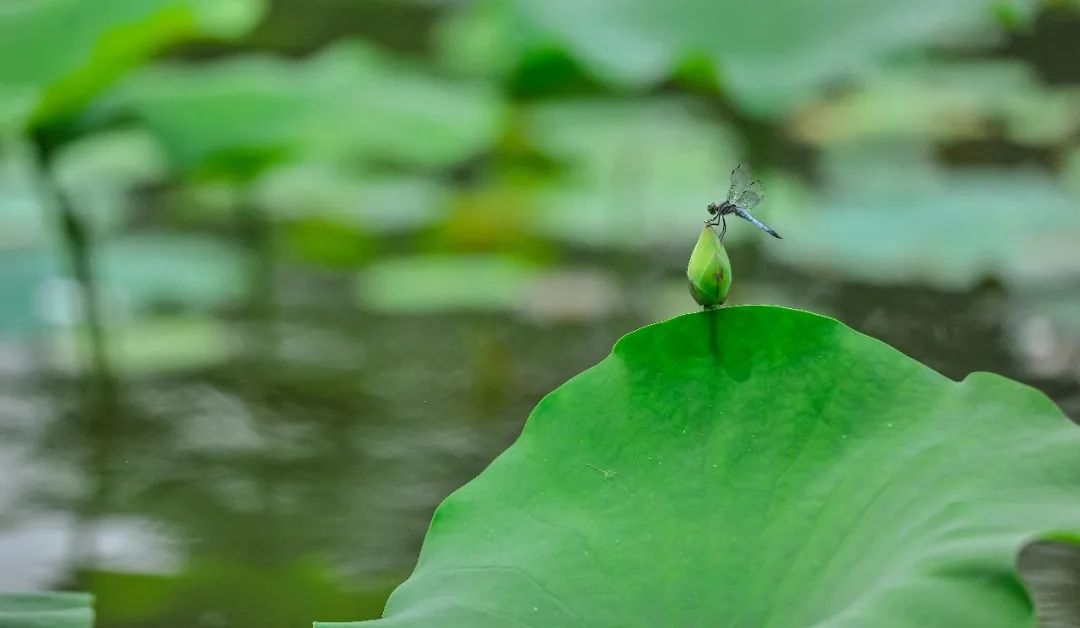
{"x":284,"y":486}
{"x":296,"y":481}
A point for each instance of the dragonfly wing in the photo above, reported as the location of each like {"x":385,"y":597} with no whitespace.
{"x":740,"y":180}
{"x":751,"y":196}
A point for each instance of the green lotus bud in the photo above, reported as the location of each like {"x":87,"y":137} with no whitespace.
{"x":709,"y":270}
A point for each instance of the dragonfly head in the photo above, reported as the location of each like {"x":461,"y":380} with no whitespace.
{"x":713,"y":208}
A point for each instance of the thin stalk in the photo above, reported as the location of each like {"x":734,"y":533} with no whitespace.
{"x":75,"y":238}
{"x":101,"y":405}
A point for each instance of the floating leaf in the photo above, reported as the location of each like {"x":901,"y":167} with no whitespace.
{"x":947,"y":101}
{"x":23,"y":274}
{"x":370,"y":202}
{"x":770,"y":55}
{"x":241,"y":114}
{"x":755,"y":466}
{"x":438,"y":283}
{"x":145,"y":271}
{"x":23,"y":220}
{"x":136,"y":275}
{"x":895,"y":220}
{"x":46,"y":610}
{"x":98,"y":174}
{"x":476,"y":37}
{"x":150,"y":346}
{"x":1071,"y":172}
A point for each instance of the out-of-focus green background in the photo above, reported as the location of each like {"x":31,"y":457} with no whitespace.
{"x":277,"y":277}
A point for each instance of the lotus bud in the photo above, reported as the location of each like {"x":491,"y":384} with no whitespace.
{"x":709,"y":270}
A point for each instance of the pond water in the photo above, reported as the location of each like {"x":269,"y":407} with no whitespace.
{"x":274,"y":455}
{"x":295,"y":481}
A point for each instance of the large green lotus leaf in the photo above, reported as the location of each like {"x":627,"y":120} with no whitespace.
{"x":894,"y":219}
{"x":636,"y":174}
{"x":347,"y":102}
{"x":771,"y":55}
{"x":56,"y":54}
{"x":755,"y":466}
{"x":46,"y":610}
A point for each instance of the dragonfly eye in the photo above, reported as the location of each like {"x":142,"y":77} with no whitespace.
{"x":712,"y":208}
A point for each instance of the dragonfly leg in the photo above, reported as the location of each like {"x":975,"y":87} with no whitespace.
{"x":724,"y":230}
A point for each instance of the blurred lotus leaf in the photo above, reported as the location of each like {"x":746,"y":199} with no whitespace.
{"x":274,"y":595}
{"x":483,"y":37}
{"x":949,"y":101}
{"x":23,"y":274}
{"x":99,"y":172}
{"x":138,"y":275}
{"x":438,"y":283}
{"x":46,"y":610}
{"x":888,"y":219}
{"x":23,"y":223}
{"x":367,"y":201}
{"x":1071,"y":171}
{"x":193,"y":272}
{"x":148,"y":346}
{"x":56,"y":54}
{"x":635,"y":174}
{"x":239,"y":115}
{"x":771,"y":55}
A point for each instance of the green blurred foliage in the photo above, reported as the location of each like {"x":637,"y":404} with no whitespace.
{"x":953,"y":229}
{"x":770,"y":56}
{"x":628,"y":170}
{"x":941,"y":101}
{"x":46,"y":610}
{"x":285,"y":595}
{"x":440,"y":283}
{"x":155,"y":346}
{"x":163,"y":270}
{"x":350,"y":102}
{"x":55,"y":55}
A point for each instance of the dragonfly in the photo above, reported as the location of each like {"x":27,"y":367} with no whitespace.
{"x":743,"y":195}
